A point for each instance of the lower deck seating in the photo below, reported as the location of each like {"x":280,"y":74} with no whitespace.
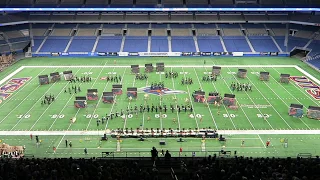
{"x":280,"y":42}
{"x":82,"y":44}
{"x":136,"y":44}
{"x":315,"y":46}
{"x":159,"y":44}
{"x":209,"y":44}
{"x":236,"y":44}
{"x":182,"y":44}
{"x":37,"y":42}
{"x":109,"y":44}
{"x":55,"y":44}
{"x":296,"y":42}
{"x":263,"y":44}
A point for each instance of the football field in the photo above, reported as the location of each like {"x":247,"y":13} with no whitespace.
{"x":22,"y":112}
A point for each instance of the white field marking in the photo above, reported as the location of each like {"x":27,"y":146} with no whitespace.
{"x":225,"y":132}
{"x":290,"y":95}
{"x":282,"y":101}
{"x":243,"y":113}
{"x":21,"y":103}
{"x":11,"y":75}
{"x":161,"y":124}
{"x":178,"y":66}
{"x":268,"y":100}
{"x":191,"y":100}
{"x":170,"y":149}
{"x":215,"y":124}
{"x":105,"y":87}
{"x":144,"y":105}
{"x":175,"y":96}
{"x":125,"y":119}
{"x":17,"y":92}
{"x":66,"y":104}
{"x":307,"y":74}
{"x":252,"y":100}
{"x":300,"y":89}
{"x":115,"y":98}
{"x":51,"y":104}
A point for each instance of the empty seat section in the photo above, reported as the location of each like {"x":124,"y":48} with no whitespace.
{"x":86,"y":16}
{"x":180,"y":32}
{"x":296,"y":42}
{"x":205,"y":26}
{"x":82,"y":44}
{"x":279,"y":32}
{"x":61,"y":32}
{"x":109,"y":44}
{"x":315,"y":46}
{"x":14,"y":34}
{"x":112,"y":17}
{"x":49,"y":3}
{"x":232,"y":32}
{"x":38,"y":32}
{"x":159,"y":26}
{"x":210,"y":44}
{"x":138,"y":26}
{"x":236,"y":44}
{"x":159,"y":44}
{"x":94,"y":3}
{"x":315,"y":62}
{"x":201,"y":3}
{"x":51,"y":44}
{"x":147,"y":3}
{"x":159,"y":32}
{"x":37,"y":42}
{"x":182,"y":17}
{"x":304,"y":34}
{"x":182,"y":44}
{"x":136,"y":44}
{"x":256,"y":32}
{"x":206,"y":32}
{"x":229,"y":17}
{"x":21,"y":3}
{"x":263,"y":44}
{"x":86,"y":32}
{"x":137,"y":32}
{"x":137,"y":17}
{"x":5,"y":48}
{"x":280,"y":42}
{"x":172,"y":3}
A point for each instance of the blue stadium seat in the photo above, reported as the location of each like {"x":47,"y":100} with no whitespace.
{"x":82,"y":44}
{"x":136,"y":44}
{"x":182,"y":44}
{"x":109,"y":44}
{"x":210,"y":44}
{"x":236,"y":44}
{"x":159,"y":44}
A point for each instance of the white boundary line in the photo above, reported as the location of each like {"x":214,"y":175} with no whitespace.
{"x":225,"y":132}
{"x":187,"y":66}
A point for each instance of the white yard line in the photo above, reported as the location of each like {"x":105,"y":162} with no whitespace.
{"x":21,"y":103}
{"x":300,"y":89}
{"x":161,"y":124}
{"x":121,"y":82}
{"x":214,"y":122}
{"x":20,"y":89}
{"x":105,"y":87}
{"x":66,"y":104}
{"x":191,"y":101}
{"x":280,"y":99}
{"x":235,"y":78}
{"x":268,"y":100}
{"x":175,"y":96}
{"x":51,"y":104}
{"x":128,"y":107}
{"x":144,"y":105}
{"x":226,"y":132}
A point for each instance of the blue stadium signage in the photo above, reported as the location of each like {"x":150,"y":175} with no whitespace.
{"x":158,"y":9}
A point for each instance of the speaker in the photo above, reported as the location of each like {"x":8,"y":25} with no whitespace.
{"x":162,"y":142}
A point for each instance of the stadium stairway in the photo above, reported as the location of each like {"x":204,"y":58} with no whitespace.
{"x":68,"y":45}
{"x":223,"y":45}
{"x":247,"y":39}
{"x":196,"y":43}
{"x":169,"y":44}
{"x":275,"y":42}
{"x":95,"y":44}
{"x":149,"y":43}
{"x":122,"y":43}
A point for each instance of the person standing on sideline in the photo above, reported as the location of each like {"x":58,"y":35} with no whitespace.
{"x":85,"y":151}
{"x":242,"y":143}
{"x":66,"y":142}
{"x":54,"y":149}
{"x":31,"y":136}
{"x":285,"y":142}
{"x":70,"y":144}
{"x":204,"y":62}
{"x":268,"y":143}
{"x":180,"y":151}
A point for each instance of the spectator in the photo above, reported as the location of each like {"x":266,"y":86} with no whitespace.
{"x":154,"y":153}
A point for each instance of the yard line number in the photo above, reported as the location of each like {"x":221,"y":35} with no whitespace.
{"x":54,"y":116}
{"x":229,"y":115}
{"x":263,"y":115}
{"x":25,"y":116}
